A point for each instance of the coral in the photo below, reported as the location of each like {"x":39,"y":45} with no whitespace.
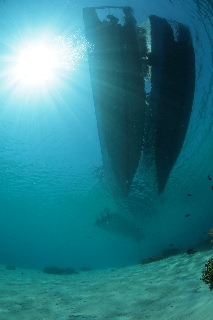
{"x":211,"y":233}
{"x":207,"y":276}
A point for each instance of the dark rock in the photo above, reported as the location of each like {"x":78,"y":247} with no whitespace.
{"x":85,"y":269}
{"x":151,"y":259}
{"x":170,"y":252}
{"x":191,"y":251}
{"x":10,"y":267}
{"x":59,"y":271}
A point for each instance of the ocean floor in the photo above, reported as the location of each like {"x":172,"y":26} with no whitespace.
{"x":166,"y":289}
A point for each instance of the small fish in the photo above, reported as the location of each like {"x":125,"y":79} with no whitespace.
{"x":191,"y":251}
{"x":171,"y":245}
{"x":189,"y":195}
{"x":187,"y":215}
{"x":209,"y":177}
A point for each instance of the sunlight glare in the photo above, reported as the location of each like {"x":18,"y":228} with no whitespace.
{"x":47,"y":62}
{"x":36,"y":65}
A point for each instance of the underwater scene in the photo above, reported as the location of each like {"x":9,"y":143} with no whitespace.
{"x":106,"y":159}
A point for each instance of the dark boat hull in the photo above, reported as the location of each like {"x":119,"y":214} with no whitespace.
{"x":126,"y":114}
{"x":118,"y":91}
{"x":173,"y":84}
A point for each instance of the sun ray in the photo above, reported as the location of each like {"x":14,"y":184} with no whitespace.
{"x":39,"y":65}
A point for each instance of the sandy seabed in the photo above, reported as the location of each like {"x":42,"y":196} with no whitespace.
{"x":166,"y":289}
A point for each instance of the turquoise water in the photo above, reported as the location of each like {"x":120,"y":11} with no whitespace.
{"x":50,"y":185}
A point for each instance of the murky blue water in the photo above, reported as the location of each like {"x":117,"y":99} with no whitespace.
{"x":50,"y":189}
